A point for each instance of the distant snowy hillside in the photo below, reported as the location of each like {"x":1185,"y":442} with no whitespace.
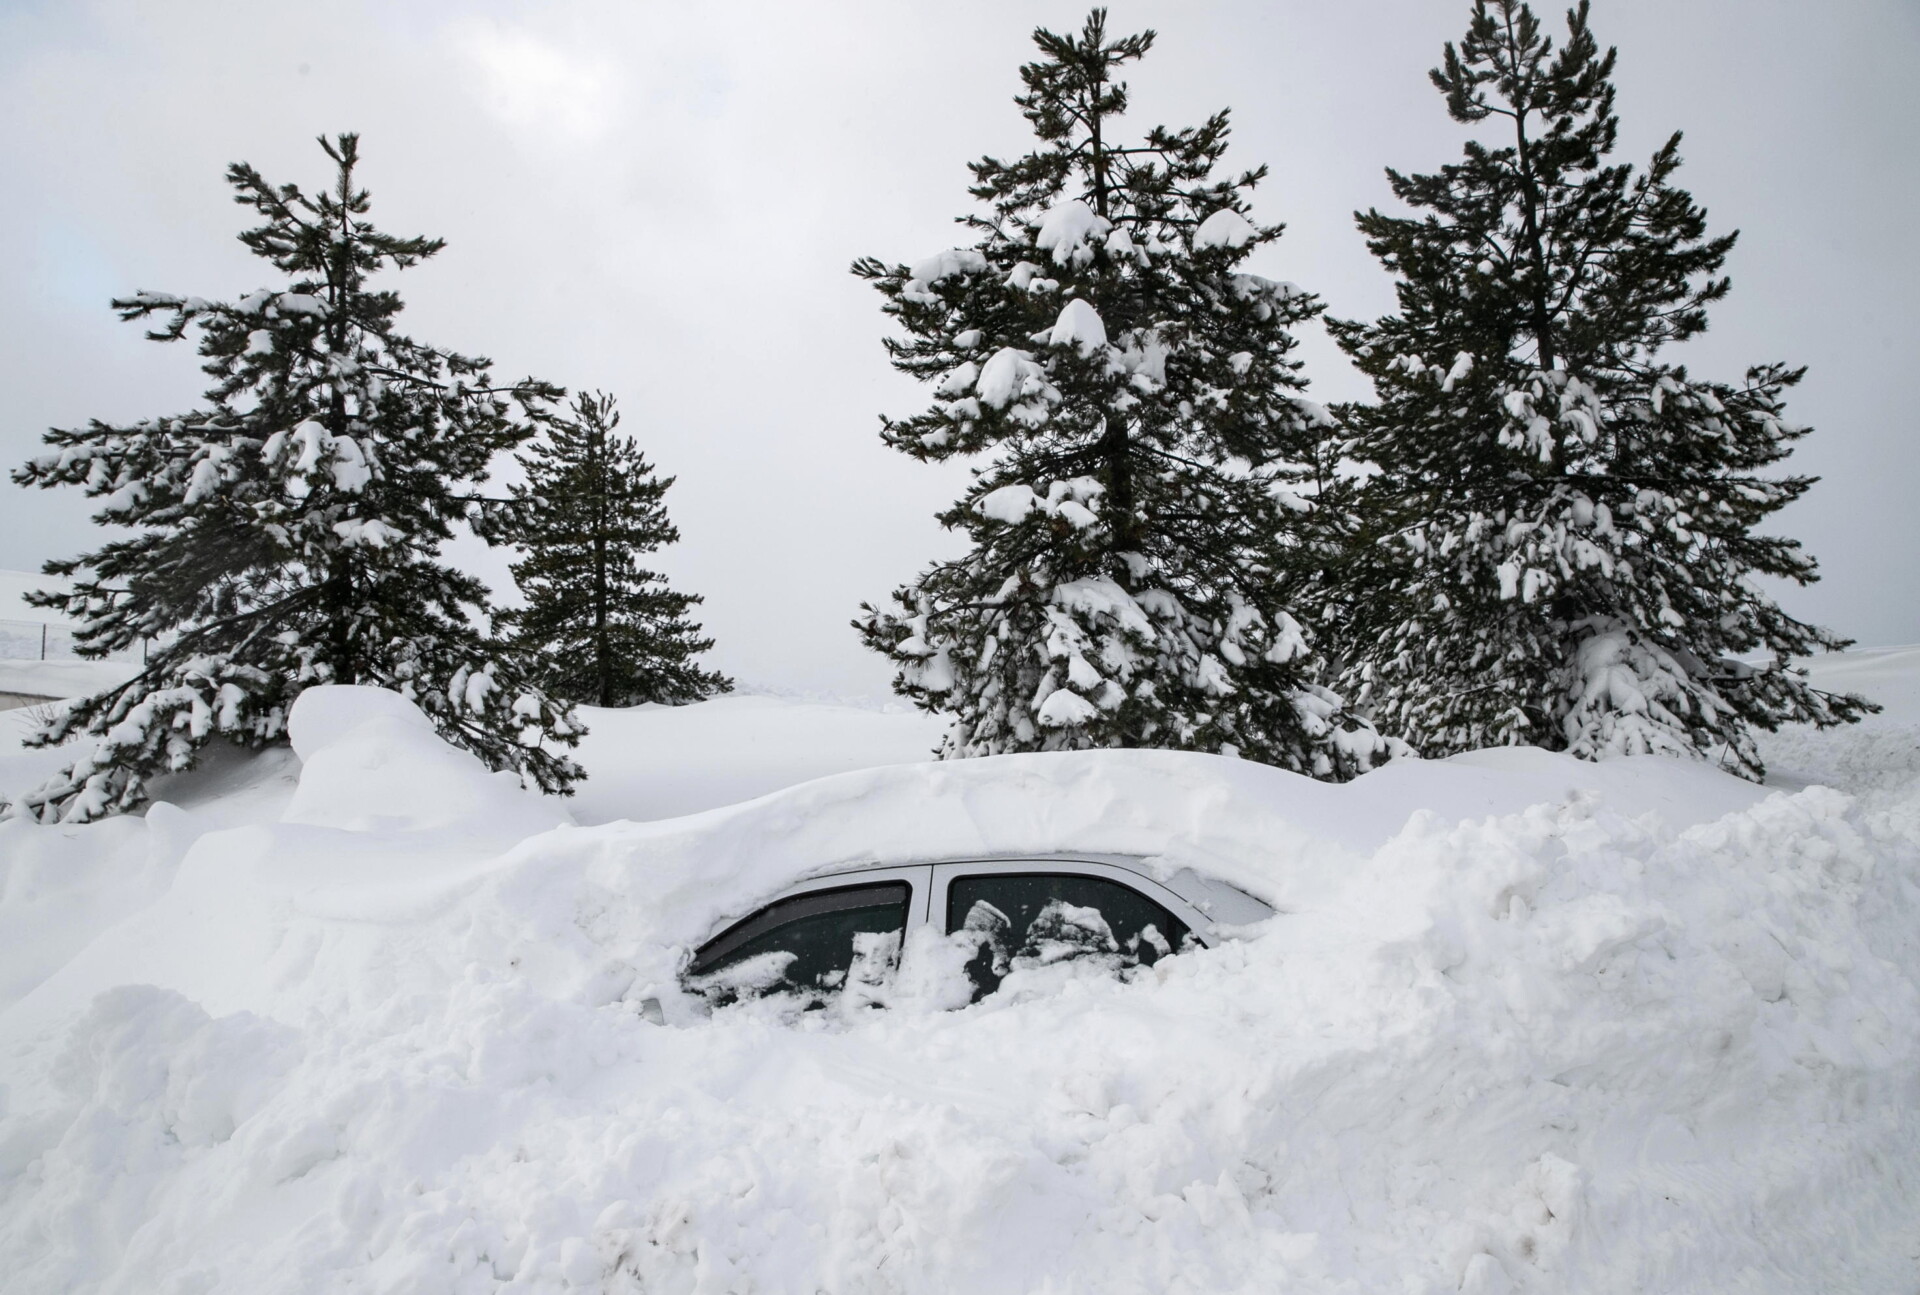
{"x":363,"y":1016}
{"x":62,"y":678}
{"x":648,"y":762}
{"x":661,"y":761}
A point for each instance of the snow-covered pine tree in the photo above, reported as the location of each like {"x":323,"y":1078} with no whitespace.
{"x":603,"y":630}
{"x":1132,"y":394}
{"x":286,"y":534}
{"x":1560,"y":539}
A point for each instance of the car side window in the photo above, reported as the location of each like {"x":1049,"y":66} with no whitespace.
{"x":1031,"y":919}
{"x":814,"y":944}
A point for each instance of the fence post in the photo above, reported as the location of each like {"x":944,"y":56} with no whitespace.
{"x":43,"y":640}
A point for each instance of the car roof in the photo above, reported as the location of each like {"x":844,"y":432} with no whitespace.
{"x":1221,"y":902}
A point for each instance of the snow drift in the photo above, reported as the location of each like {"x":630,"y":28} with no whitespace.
{"x":1522,"y":1024}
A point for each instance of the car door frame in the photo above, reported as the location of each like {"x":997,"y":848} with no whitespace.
{"x":1198,"y":924}
{"x":927,"y":891}
{"x":918,"y":876}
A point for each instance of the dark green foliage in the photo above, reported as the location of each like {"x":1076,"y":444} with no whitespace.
{"x":1557,"y":549}
{"x":286,"y":534}
{"x":604,"y":630}
{"x":1130,"y":395}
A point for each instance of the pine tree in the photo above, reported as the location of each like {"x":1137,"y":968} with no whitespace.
{"x":1557,"y":550}
{"x":604,"y":630}
{"x":286,"y":534}
{"x":1132,"y":392}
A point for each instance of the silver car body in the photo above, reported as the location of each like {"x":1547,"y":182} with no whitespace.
{"x":1212,"y":909}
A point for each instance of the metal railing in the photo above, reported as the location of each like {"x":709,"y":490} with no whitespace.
{"x":49,"y":641}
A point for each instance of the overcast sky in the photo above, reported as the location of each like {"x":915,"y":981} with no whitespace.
{"x":661,"y":199}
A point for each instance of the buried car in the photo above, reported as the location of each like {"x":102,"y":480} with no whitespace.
{"x":844,"y":932}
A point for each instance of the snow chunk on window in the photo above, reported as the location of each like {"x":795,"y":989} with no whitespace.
{"x":1064,"y":708}
{"x":1009,"y":504}
{"x":1065,"y":229}
{"x":1224,"y":228}
{"x":1079,"y":326}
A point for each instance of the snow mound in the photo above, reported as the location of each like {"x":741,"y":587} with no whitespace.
{"x":370,"y":761}
{"x":1522,"y":1024}
{"x":325,"y":714}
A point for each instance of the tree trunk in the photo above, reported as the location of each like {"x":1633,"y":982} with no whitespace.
{"x":602,"y":649}
{"x":1113,"y":441}
{"x":339,"y":587}
{"x":1530,"y":213}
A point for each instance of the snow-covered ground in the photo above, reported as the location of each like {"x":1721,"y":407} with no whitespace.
{"x":62,"y":678}
{"x":364,"y":1017}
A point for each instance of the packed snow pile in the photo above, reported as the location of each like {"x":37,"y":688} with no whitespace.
{"x":1522,"y":1024}
{"x":371,"y":764}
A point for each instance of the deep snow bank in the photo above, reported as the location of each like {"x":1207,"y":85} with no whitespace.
{"x":1523,"y":1024}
